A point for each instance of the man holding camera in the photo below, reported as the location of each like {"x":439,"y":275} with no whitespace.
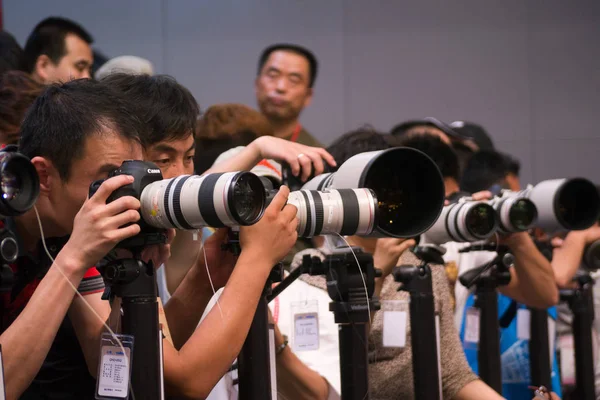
{"x":74,"y":134}
{"x":208,"y":349}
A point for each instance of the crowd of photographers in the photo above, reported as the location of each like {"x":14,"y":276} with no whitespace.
{"x":76,"y":129}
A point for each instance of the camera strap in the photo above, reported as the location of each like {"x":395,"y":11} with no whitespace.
{"x":509,"y":315}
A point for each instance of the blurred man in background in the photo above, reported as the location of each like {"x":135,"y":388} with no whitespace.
{"x":58,"y":50}
{"x":11,"y":54}
{"x":284,"y":87}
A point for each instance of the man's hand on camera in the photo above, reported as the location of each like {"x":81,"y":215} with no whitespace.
{"x":159,"y":253}
{"x":275,"y":234}
{"x":220,"y":262}
{"x":388,"y":251}
{"x":98,"y":226}
{"x":302,"y":159}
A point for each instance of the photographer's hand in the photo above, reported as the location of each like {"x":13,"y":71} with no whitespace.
{"x":301,"y":158}
{"x":275,"y":234}
{"x":386,"y":255}
{"x":98,"y":226}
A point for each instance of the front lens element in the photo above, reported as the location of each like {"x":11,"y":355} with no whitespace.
{"x":522,"y":214}
{"x":248,"y":198}
{"x":481,"y":220}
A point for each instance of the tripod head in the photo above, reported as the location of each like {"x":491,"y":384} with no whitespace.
{"x":344,"y":280}
{"x":494,"y":273}
{"x":430,"y":253}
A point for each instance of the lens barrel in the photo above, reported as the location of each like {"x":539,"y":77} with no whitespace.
{"x":464,"y":221}
{"x":216,"y":200}
{"x":342,"y":211}
{"x":515,"y":212}
{"x":408,"y":185}
{"x":565,"y":204}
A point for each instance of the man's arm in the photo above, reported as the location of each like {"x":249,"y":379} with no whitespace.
{"x":96,"y":230}
{"x":295,"y":380}
{"x":532,"y":278}
{"x":281,"y":150}
{"x":206,"y":356}
{"x":566,"y":258}
{"x":476,"y":390}
{"x":89,"y":326}
{"x":185,"y":307}
{"x":27,"y":341}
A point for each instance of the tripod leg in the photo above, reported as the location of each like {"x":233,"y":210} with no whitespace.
{"x":254,"y":369}
{"x":354,"y":366}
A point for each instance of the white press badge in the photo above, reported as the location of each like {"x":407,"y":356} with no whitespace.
{"x":395,"y":318}
{"x":471,"y":340}
{"x":114,"y":371}
{"x":523,"y":324}
{"x":305,"y":325}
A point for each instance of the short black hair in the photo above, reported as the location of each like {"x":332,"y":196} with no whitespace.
{"x":294,"y":48}
{"x":11,"y":54}
{"x":485,"y":169}
{"x":358,"y":141}
{"x":513,"y":166}
{"x":168,"y":108}
{"x":48,"y":37}
{"x":441,"y":153}
{"x":60,"y":120}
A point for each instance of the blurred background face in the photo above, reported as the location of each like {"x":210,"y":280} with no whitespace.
{"x":174,"y":157}
{"x":282,"y":87}
{"x":75,"y":64}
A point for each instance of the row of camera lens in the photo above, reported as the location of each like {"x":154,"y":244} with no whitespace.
{"x":397,"y":192}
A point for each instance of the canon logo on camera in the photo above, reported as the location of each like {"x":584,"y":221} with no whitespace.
{"x":153,"y":171}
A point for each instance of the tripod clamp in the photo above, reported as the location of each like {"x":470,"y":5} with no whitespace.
{"x":492,"y":274}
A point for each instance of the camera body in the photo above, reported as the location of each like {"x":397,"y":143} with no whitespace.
{"x":144,"y":173}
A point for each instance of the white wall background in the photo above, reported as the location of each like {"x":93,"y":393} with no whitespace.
{"x":529,"y":71}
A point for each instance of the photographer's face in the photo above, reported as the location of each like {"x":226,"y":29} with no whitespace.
{"x":174,"y":158}
{"x":102,"y":154}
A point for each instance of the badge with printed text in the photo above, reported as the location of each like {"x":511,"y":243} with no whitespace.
{"x":471,"y":340}
{"x":114,"y":370}
{"x":305,"y":325}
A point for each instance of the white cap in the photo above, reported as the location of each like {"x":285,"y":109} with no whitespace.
{"x":126,"y":64}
